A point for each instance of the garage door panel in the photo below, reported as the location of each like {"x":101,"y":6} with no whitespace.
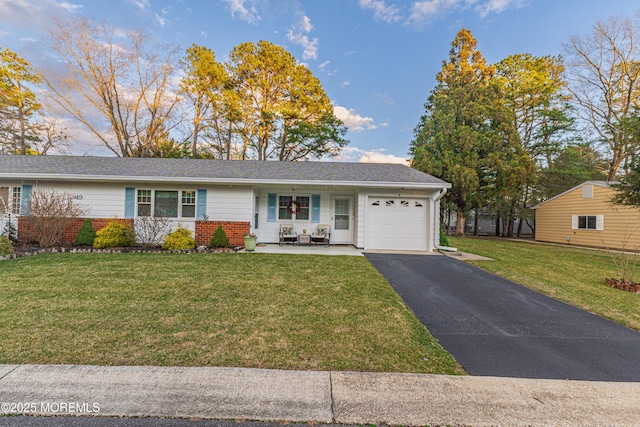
{"x":396,"y":223}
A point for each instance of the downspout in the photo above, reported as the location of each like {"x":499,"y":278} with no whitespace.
{"x":442,"y":193}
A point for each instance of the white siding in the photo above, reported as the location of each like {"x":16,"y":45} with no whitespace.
{"x":267,"y":232}
{"x":106,"y":200}
{"x":229,"y":203}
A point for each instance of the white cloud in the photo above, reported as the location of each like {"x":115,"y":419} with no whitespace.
{"x":162,"y":21}
{"x":140,"y":4}
{"x":245,"y":13}
{"x":345,"y":83}
{"x":69,"y":7}
{"x":203,"y":34}
{"x":421,"y":11}
{"x":355,"y":154}
{"x":297,"y":34}
{"x":382,"y":11}
{"x":352,"y":120}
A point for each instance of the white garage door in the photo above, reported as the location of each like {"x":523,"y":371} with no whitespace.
{"x":396,"y":223}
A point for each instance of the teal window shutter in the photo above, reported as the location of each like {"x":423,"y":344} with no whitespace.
{"x":315,"y":208}
{"x":201,"y":204}
{"x":272,"y":199}
{"x":129,"y":202}
{"x":25,"y":198}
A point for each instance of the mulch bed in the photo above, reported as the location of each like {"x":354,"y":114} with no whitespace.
{"x":623,"y":285}
{"x":22,"y":251}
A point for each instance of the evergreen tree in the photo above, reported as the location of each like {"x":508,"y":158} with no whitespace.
{"x":465,"y":136}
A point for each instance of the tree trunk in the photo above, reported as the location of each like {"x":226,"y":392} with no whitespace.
{"x":475,"y":223}
{"x":460,"y":221}
{"x":498,"y":224}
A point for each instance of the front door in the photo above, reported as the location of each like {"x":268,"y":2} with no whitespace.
{"x":341,"y":228}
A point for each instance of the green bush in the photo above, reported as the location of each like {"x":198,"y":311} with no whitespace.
{"x":219,"y":239}
{"x":6,"y":246}
{"x":87,"y":233}
{"x":115,"y":234}
{"x":443,"y":238}
{"x":179,"y":239}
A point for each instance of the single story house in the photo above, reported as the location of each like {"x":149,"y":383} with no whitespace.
{"x":584,"y":215}
{"x":370,"y":206}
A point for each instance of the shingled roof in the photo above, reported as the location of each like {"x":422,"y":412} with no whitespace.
{"x":212,"y":171}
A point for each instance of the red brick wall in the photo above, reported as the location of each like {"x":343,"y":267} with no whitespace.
{"x":26,"y":234}
{"x":235,"y":231}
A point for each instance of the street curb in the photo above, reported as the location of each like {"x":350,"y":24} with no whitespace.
{"x":312,"y":396}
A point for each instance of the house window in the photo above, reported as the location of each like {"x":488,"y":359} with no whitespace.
{"x":16,"y":200}
{"x":144,"y":202}
{"x":296,"y":208}
{"x":303,"y":212}
{"x":283,"y":207}
{"x":165,"y":203}
{"x":188,"y":204}
{"x":587,"y":222}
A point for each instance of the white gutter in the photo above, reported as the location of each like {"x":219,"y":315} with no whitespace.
{"x":443,"y":248}
{"x":227,"y":181}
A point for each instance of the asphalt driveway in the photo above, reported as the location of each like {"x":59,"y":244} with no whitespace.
{"x":495,"y":327}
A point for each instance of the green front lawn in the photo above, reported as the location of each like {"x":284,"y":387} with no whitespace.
{"x":572,"y":275}
{"x":249,"y":310}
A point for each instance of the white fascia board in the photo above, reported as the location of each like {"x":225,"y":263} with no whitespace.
{"x":228,"y":181}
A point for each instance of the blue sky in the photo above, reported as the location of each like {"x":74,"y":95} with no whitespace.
{"x":377,"y":59}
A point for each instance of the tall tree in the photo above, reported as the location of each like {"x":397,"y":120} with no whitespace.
{"x":572,"y":165}
{"x":119,"y":87}
{"x":18,"y":104}
{"x":278,"y":108}
{"x":538,"y":108}
{"x":465,"y":135}
{"x":204,"y":84}
{"x":603,"y":68}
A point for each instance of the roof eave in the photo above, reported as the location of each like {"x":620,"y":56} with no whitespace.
{"x":228,"y":181}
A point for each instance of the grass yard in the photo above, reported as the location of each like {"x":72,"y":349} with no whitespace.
{"x":572,"y":275}
{"x":247,"y":310}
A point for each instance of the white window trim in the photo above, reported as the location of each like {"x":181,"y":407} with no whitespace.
{"x":153,"y":202}
{"x":575,"y":222}
{"x":293,"y":216}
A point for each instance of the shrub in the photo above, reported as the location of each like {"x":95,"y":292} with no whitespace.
{"x":179,"y":239}
{"x":151,"y":230}
{"x":219,"y":239}
{"x":443,"y":238}
{"x":115,"y":234}
{"x":6,"y":246}
{"x":87,"y":233}
{"x":10,"y":231}
{"x":50,"y":214}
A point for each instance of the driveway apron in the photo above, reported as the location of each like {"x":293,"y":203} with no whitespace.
{"x":495,"y":327}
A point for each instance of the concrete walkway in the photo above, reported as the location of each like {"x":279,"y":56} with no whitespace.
{"x":308,"y":396}
{"x":308,"y":250}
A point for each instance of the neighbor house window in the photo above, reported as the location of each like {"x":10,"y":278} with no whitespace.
{"x":166,"y":203}
{"x":587,"y":222}
{"x":297,"y":208}
{"x":16,"y":200}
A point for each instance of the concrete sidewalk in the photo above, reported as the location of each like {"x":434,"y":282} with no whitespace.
{"x":308,"y":396}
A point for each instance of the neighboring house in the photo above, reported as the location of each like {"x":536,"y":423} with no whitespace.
{"x":370,"y":206}
{"x":585,"y":216}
